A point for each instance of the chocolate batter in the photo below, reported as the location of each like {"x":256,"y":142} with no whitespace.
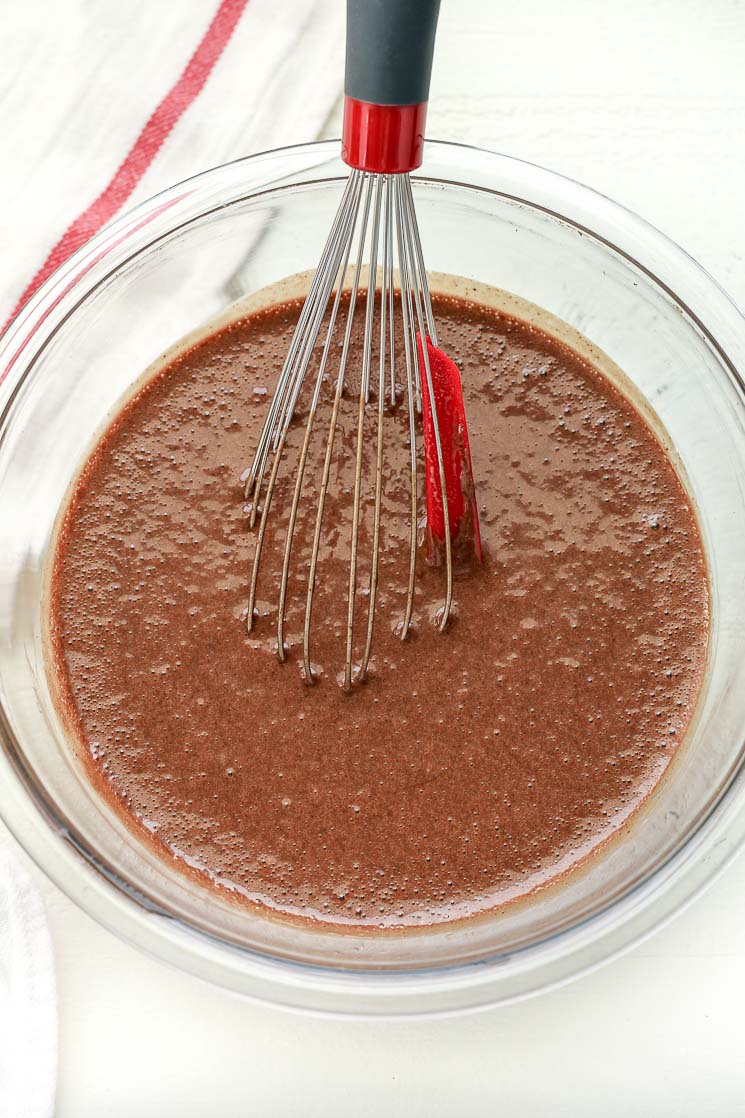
{"x":473,"y":766}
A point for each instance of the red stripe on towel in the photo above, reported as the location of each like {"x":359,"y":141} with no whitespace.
{"x":142,"y":153}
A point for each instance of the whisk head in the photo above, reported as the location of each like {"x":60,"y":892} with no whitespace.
{"x":375,"y":230}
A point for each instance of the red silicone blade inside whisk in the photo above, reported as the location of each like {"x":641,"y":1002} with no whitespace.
{"x":456,"y":452}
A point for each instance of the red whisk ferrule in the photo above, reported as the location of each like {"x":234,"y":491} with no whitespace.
{"x":383,"y":139}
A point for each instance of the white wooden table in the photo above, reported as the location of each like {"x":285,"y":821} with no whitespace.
{"x":646,"y":102}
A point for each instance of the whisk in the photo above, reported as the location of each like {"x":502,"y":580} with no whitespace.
{"x":388,"y":63}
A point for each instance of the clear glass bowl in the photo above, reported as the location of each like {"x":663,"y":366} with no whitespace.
{"x":155,"y":274}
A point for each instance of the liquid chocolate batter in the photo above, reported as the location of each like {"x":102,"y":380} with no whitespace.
{"x":473,"y":766}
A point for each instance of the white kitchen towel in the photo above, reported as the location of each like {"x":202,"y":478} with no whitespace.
{"x":101,"y":105}
{"x":28,"y":1008}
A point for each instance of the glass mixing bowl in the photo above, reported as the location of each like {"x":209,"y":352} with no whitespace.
{"x":154,"y":275}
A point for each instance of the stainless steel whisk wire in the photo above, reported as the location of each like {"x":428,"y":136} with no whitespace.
{"x":384,"y":205}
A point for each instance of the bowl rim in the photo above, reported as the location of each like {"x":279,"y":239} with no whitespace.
{"x":445,"y":990}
